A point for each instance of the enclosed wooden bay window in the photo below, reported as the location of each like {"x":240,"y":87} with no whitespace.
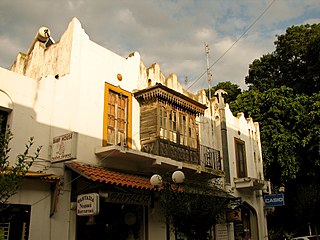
{"x":177,"y":126}
{"x":168,"y":123}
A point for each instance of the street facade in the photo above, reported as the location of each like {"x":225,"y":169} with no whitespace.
{"x":107,"y":124}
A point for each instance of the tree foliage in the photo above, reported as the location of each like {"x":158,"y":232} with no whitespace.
{"x":295,"y":63}
{"x":289,"y":130}
{"x":12,"y":175}
{"x":284,"y":97}
{"x":193,"y":208}
{"x":232,"y":89}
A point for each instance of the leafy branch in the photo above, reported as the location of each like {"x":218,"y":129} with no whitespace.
{"x":193,"y":207}
{"x":12,"y":175}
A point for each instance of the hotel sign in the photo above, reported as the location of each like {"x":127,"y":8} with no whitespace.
{"x":64,"y":147}
{"x":88,"y":204}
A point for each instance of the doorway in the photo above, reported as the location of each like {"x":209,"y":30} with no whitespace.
{"x":115,"y":221}
{"x":15,"y":222}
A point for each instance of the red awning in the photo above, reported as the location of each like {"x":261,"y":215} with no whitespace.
{"x":103,"y":175}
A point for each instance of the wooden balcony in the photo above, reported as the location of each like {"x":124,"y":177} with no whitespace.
{"x":166,"y":148}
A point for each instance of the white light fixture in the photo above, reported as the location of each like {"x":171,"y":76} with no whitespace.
{"x":156,"y":180}
{"x":178,"y":177}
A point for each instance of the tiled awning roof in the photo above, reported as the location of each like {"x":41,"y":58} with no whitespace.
{"x":103,"y":175}
{"x":43,"y":176}
{"x":47,"y":177}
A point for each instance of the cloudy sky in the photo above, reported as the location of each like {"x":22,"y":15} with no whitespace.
{"x":172,"y":33}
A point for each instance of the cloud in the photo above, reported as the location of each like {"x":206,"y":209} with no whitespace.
{"x":171,"y":33}
{"x":6,"y":52}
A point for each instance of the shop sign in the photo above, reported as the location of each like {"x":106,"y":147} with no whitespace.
{"x":127,"y":198}
{"x":64,"y":147}
{"x":274,"y":200}
{"x":88,"y":204}
{"x":234,"y":215}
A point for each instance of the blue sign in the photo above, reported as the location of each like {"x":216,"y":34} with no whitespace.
{"x":274,"y":200}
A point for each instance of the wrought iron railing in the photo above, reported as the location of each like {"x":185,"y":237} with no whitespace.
{"x":210,"y":157}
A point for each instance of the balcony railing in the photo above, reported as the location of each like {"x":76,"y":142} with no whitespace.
{"x":166,"y":148}
{"x":204,"y":156}
{"x":210,"y":157}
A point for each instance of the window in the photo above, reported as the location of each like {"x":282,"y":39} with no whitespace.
{"x":163,"y":123}
{"x":3,"y":121}
{"x":183,"y":129}
{"x":117,"y":111}
{"x":116,"y":127}
{"x":173,"y":126}
{"x":178,"y":127}
{"x":192,"y":133}
{"x":240,"y":158}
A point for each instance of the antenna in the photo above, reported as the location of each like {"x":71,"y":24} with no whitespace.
{"x":209,"y":75}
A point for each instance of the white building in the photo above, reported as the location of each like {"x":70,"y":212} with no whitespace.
{"x":106,"y":124}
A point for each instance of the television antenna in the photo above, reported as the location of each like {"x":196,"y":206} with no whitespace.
{"x":209,"y":75}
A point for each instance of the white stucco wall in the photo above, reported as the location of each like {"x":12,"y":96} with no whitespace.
{"x":157,"y":225}
{"x":92,"y":66}
{"x":248,"y":131}
{"x":74,"y":101}
{"x":245,"y":130}
{"x":37,"y":194}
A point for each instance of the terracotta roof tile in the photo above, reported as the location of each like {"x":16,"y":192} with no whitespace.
{"x":99,"y":174}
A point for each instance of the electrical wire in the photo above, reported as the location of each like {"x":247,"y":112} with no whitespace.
{"x":232,"y":45}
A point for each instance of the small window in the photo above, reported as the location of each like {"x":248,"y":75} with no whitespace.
{"x":183,"y":129}
{"x":240,"y":158}
{"x":173,"y":126}
{"x":192,"y":133}
{"x":163,"y":123}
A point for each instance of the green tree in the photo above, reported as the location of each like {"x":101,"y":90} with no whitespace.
{"x":294,"y":63}
{"x":194,"y":207}
{"x":284,"y":98}
{"x":12,"y":175}
{"x":284,"y":123}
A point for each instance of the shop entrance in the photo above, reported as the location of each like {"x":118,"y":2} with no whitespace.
{"x":245,"y":225}
{"x":115,"y":221}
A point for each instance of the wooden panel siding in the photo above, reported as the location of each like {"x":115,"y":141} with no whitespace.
{"x":165,"y":148}
{"x":167,"y":123}
{"x":148,"y":122}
